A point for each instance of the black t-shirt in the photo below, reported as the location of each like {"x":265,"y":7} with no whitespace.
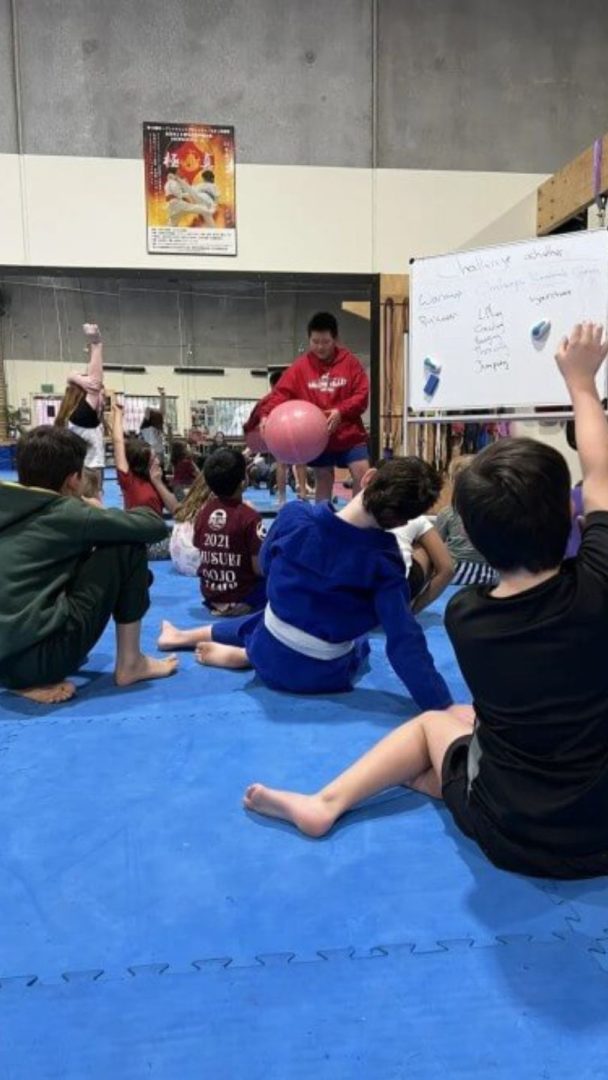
{"x":537,"y":667}
{"x":85,"y":416}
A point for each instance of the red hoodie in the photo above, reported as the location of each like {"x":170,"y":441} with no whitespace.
{"x":253,"y":420}
{"x":341,"y":384}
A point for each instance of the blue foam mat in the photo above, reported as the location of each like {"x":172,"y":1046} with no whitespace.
{"x":125,"y":845}
{"x":506,"y":1011}
{"x":128,"y":843}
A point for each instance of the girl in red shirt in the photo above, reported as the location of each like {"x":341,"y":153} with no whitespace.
{"x":140,"y":478}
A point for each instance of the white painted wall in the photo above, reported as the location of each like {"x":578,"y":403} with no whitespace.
{"x":420,"y":213}
{"x":70,"y":211}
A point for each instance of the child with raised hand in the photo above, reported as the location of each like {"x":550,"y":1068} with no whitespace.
{"x":530,"y":783}
{"x":331,"y":579}
{"x":81,"y":408}
{"x":185,"y":556}
{"x":67,"y":568}
{"x":470,"y":566}
{"x":139,"y":472}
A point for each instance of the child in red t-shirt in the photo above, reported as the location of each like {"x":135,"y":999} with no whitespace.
{"x":229,"y":536}
{"x":140,"y":479}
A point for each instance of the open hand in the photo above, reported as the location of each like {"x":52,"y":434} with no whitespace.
{"x":333,"y":420}
{"x":581,"y":355}
{"x":156,"y":472}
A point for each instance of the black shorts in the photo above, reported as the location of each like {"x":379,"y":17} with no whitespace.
{"x":506,"y":854}
{"x":416,"y":579}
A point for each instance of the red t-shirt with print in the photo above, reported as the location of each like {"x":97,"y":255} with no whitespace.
{"x":228,"y":535}
{"x":137,"y":492}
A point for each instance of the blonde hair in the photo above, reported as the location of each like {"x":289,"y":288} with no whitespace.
{"x":458,"y":464}
{"x":198,"y":495}
{"x":70,"y":401}
{"x":91,"y":484}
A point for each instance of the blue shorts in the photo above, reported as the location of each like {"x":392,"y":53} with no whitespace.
{"x":340,"y":459}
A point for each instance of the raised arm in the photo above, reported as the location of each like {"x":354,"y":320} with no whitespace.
{"x":579,"y":358}
{"x":156,"y":477}
{"x":92,"y":381}
{"x":408,"y":651}
{"x":118,"y":439}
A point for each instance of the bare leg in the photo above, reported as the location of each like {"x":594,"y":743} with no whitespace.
{"x":406,"y":756}
{"x":49,"y":695}
{"x":324,"y":483}
{"x":281,"y":482}
{"x":172,"y":638}
{"x":212,"y":654}
{"x":358,"y":470}
{"x":131,"y":664}
{"x":300,"y":471}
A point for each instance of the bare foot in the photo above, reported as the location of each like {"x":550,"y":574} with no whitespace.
{"x":145,"y":667}
{"x":212,"y":654}
{"x":49,"y":695}
{"x":171,"y":638}
{"x":309,"y":813}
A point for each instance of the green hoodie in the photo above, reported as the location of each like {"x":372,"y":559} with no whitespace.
{"x":43,"y":536}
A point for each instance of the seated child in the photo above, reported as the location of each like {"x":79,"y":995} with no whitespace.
{"x":140,"y":478}
{"x":184,"y":555}
{"x":331,"y":579}
{"x":229,"y":536}
{"x":471,"y":567}
{"x":428,"y":564}
{"x":185,"y":471}
{"x":91,"y":487}
{"x":530,"y":783}
{"x":68,"y":567}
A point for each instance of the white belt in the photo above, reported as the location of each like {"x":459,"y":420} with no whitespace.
{"x":304,"y":643}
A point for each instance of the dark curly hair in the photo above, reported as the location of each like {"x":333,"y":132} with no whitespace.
{"x":402,"y":489}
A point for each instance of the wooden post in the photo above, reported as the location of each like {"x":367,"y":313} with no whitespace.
{"x":394,"y":293}
{"x":573,"y":189}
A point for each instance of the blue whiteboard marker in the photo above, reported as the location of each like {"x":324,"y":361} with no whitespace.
{"x":541,"y":330}
{"x":431,"y":385}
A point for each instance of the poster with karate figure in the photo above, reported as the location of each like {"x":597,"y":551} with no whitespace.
{"x":190,"y":189}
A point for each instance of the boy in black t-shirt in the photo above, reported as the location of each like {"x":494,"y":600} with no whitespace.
{"x":529,"y":782}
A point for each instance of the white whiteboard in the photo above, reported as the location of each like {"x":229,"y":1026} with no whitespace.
{"x":472,"y":312}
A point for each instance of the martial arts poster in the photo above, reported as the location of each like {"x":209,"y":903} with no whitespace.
{"x":190,"y":189}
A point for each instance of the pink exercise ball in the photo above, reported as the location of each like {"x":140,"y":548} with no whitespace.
{"x":255,"y":441}
{"x":296,"y":432}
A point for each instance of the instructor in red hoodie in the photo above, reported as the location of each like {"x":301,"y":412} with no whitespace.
{"x":329,"y":376}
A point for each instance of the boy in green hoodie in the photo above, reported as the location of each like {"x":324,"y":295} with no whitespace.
{"x":67,"y":568}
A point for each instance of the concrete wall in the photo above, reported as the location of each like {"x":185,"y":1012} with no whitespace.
{"x":507,"y":85}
